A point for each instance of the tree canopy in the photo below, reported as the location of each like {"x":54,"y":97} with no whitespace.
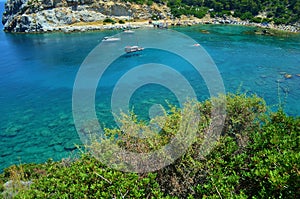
{"x":279,"y":11}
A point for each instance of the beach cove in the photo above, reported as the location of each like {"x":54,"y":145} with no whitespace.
{"x":38,"y":73}
{"x":80,"y":16}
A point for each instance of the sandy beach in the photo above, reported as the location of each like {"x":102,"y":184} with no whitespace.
{"x":94,"y":26}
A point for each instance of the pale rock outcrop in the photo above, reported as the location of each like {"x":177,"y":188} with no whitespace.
{"x":53,"y":15}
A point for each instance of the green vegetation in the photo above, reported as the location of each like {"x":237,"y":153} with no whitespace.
{"x":281,"y":12}
{"x":121,"y":22}
{"x":109,"y":20}
{"x":141,"y":2}
{"x":257,"y":156}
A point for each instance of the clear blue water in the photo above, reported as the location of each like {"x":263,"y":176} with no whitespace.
{"x":37,"y":74}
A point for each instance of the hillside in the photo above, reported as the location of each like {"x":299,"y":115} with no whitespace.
{"x":280,"y":12}
{"x":64,"y":15}
{"x":55,"y":15}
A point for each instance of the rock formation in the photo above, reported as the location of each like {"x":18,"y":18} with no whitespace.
{"x":54,"y":15}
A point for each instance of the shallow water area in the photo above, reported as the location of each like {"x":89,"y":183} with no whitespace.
{"x":37,"y":74}
{"x":254,"y":63}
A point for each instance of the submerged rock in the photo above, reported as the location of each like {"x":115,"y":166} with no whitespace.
{"x":13,"y":130}
{"x":70,"y":145}
{"x":264,"y":32}
{"x":6,"y":153}
{"x":288,"y":76}
{"x":54,"y":142}
{"x":58,"y":148}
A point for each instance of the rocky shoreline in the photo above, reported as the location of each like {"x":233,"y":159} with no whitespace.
{"x":236,"y":21}
{"x":85,"y":27}
{"x":179,"y":22}
{"x":33,"y":16}
{"x":37,"y":16}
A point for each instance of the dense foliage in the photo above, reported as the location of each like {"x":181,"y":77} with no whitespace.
{"x":279,"y":11}
{"x":257,"y":156}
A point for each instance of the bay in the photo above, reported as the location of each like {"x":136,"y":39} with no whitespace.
{"x":37,"y":74}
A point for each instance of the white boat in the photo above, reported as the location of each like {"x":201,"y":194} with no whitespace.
{"x":111,"y":39}
{"x":128,"y":31}
{"x":131,"y":49}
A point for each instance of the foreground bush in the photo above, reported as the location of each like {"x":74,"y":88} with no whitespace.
{"x":267,"y":167}
{"x":83,"y":178}
{"x":257,"y":156}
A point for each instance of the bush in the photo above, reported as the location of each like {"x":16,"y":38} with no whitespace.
{"x":257,"y":156}
{"x":190,"y":171}
{"x":121,"y":22}
{"x":199,"y":12}
{"x":225,"y":12}
{"x":109,"y":20}
{"x":149,"y":2}
{"x":280,"y":21}
{"x":266,"y":20}
{"x":237,"y":14}
{"x":274,"y":158}
{"x":213,"y":14}
{"x":246,"y":15}
{"x":256,"y":20}
{"x":270,"y":15}
{"x":86,"y":177}
{"x":266,"y":168}
{"x":154,"y":17}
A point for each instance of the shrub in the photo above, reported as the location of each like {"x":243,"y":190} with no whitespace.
{"x":225,"y":12}
{"x":121,"y":22}
{"x":280,"y":21}
{"x":256,"y":20}
{"x":257,"y":156}
{"x":191,"y":170}
{"x":268,"y":167}
{"x":212,"y":14}
{"x":246,"y":15}
{"x":237,"y":14}
{"x":270,"y":15}
{"x":200,"y":12}
{"x":154,"y":17}
{"x":108,"y":20}
{"x":87,"y":177}
{"x":149,"y":2}
{"x":267,"y":20}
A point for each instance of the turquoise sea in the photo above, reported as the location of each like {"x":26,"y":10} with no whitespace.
{"x":37,"y":74}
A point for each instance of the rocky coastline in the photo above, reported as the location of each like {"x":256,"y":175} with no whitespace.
{"x":31,"y":16}
{"x":40,"y":16}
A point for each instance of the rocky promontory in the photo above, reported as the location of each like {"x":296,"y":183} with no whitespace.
{"x":64,"y":15}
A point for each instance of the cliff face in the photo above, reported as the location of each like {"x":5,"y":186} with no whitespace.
{"x":49,"y":15}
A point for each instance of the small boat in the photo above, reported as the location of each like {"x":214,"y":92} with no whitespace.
{"x":131,"y":49}
{"x":111,"y":39}
{"x":128,"y":31}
